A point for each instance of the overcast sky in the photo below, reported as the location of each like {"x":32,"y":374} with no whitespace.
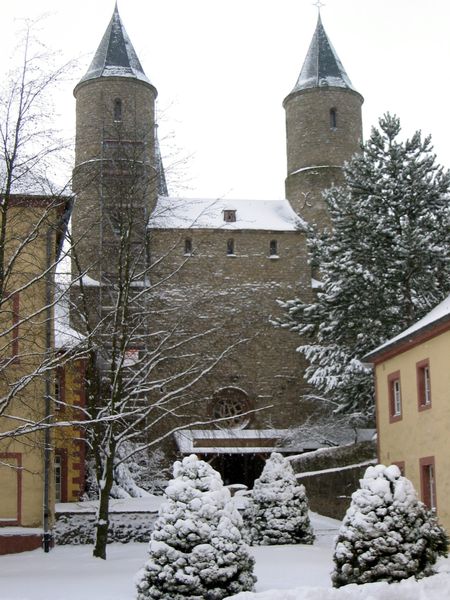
{"x":223,"y":67}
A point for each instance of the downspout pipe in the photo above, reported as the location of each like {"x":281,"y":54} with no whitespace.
{"x":47,"y":538}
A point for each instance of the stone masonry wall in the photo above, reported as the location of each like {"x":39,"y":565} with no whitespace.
{"x":331,"y":475}
{"x":237,"y":294}
{"x":312,"y":141}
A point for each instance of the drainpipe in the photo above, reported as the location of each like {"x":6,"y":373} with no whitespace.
{"x":47,"y":539}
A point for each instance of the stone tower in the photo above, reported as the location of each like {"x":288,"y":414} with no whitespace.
{"x":116,"y":157}
{"x":323,"y":128}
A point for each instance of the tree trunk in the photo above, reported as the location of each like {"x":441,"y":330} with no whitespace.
{"x":102,"y":524}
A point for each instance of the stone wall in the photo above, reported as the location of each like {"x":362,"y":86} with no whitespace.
{"x":331,"y":475}
{"x":237,"y":296}
{"x":317,"y":148}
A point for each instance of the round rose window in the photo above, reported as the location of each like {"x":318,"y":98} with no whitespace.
{"x":230,"y":406}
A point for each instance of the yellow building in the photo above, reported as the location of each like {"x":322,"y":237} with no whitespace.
{"x":412,"y":377}
{"x":34,"y":228}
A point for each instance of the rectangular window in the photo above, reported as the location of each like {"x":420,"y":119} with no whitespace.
{"x":60,"y":474}
{"x":428,"y":481}
{"x":395,"y":397}
{"x":188,"y":246}
{"x":423,"y":384}
{"x":58,"y":478}
{"x":273,"y":248}
{"x":230,"y":247}
{"x":333,"y":118}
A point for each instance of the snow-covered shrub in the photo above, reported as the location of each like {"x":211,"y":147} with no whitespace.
{"x":152,"y":471}
{"x":75,"y":528}
{"x":136,"y":473}
{"x":278,"y":509}
{"x":196,"y":549}
{"x":387,"y":533}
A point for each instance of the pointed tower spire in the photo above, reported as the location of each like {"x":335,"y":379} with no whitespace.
{"x":115,"y":125}
{"x":323,"y":128}
{"x":115,"y":56}
{"x":322,"y":66}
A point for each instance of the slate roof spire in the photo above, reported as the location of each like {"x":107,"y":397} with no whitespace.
{"x":322,"y":66}
{"x":115,"y":56}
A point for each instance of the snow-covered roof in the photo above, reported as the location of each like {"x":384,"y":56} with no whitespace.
{"x":232,"y":441}
{"x":322,"y":66}
{"x":201,"y":213}
{"x":115,"y":56}
{"x":439,"y":314}
{"x":65,"y":336}
{"x":87,"y":281}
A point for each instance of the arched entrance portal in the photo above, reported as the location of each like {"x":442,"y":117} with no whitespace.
{"x":238,"y":468}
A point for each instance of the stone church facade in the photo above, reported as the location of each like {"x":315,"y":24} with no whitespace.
{"x":219,"y":265}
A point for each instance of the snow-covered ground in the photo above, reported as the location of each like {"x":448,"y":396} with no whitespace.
{"x":284,"y":573}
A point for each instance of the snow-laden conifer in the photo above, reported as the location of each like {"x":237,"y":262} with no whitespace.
{"x":383,"y":263}
{"x":196,"y":549}
{"x":278,"y":510}
{"x":387,"y":533}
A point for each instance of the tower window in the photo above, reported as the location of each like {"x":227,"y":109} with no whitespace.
{"x":188,"y":246}
{"x":230,"y":247}
{"x":273,"y":248}
{"x":118,"y":109}
{"x":333,"y":118}
{"x":229,"y":216}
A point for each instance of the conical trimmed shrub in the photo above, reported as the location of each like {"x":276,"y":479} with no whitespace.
{"x":196,"y":550}
{"x":387,"y":533}
{"x":278,"y":510}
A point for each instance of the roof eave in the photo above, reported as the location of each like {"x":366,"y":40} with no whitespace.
{"x":332,"y":88}
{"x":407,"y":342}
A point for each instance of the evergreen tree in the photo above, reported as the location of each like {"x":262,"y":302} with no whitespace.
{"x":383,"y":263}
{"x":387,"y":534}
{"x":196,"y":549}
{"x":278,"y":510}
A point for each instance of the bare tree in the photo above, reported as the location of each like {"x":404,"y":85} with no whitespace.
{"x":145,"y":359}
{"x":33,"y":217}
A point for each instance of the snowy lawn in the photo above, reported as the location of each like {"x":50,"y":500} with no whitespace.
{"x":70,"y":573}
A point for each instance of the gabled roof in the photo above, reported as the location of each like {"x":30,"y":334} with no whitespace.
{"x":204,"y":213}
{"x":115,"y":56}
{"x":433,"y":323}
{"x":322,"y":66}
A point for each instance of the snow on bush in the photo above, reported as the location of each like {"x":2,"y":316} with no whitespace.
{"x":278,"y":510}
{"x":387,"y":533}
{"x":196,"y":549}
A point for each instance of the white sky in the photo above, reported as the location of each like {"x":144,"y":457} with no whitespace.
{"x":223,"y":67}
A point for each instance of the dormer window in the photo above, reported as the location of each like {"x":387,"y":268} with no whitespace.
{"x":229,"y":216}
{"x":333,"y":118}
{"x":118,"y":110}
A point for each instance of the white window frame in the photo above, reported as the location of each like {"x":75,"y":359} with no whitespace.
{"x":397,"y":394}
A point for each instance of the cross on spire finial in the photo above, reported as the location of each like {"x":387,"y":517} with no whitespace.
{"x":319,"y":4}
